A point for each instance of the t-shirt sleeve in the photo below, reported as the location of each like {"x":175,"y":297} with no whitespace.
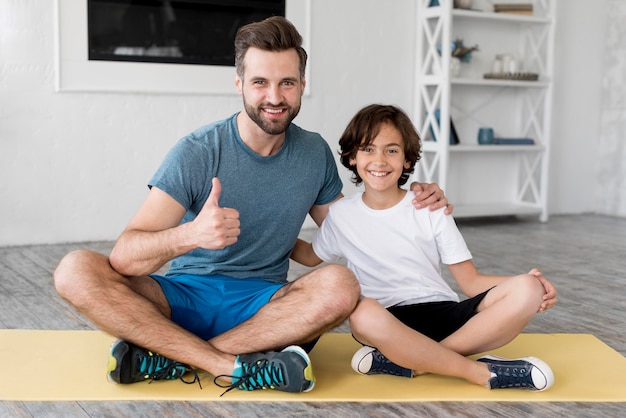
{"x":182,"y":172}
{"x":326,"y":241}
{"x":451,"y":245}
{"x":332,"y":186}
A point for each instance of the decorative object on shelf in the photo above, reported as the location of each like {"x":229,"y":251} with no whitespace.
{"x":433,"y":3}
{"x":485,"y":136}
{"x":514,"y":141}
{"x":506,"y":63}
{"x":512,"y":76}
{"x":513,"y":8}
{"x":462,"y":52}
{"x":454,"y":138}
{"x":463,"y":4}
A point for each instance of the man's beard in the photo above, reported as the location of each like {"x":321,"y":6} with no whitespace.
{"x":272,"y":127}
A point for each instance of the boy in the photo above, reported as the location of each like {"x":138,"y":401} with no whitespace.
{"x":409,"y":320}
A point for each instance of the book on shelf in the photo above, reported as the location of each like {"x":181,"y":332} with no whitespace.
{"x":514,"y":141}
{"x":518,"y":12}
{"x":514,"y":8}
{"x":454,"y":137}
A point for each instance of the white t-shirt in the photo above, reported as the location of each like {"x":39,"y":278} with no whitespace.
{"x":395,"y":253}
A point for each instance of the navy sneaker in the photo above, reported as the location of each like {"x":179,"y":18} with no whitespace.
{"x":522,"y":373}
{"x":368,"y":360}
{"x":289,"y":370}
{"x":129,"y":363}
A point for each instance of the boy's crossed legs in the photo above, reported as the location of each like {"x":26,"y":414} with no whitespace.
{"x":500,"y":315}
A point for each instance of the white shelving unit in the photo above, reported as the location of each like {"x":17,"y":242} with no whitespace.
{"x":485,"y":180}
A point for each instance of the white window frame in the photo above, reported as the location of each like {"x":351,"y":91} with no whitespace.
{"x":75,"y":73}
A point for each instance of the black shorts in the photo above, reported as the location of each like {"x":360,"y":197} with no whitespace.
{"x":437,"y":320}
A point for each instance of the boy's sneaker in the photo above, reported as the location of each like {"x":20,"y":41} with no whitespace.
{"x":368,"y":360}
{"x":289,"y":370}
{"x":129,"y":363}
{"x":523,"y":373}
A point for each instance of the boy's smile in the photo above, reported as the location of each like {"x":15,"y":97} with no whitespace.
{"x":381,"y":163}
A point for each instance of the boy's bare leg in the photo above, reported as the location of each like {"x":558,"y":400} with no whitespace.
{"x":373,"y":325}
{"x":502,"y":315}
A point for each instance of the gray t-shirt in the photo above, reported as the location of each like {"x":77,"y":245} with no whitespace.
{"x":272,"y":194}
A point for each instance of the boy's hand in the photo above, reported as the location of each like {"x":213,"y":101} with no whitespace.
{"x":549,"y":299}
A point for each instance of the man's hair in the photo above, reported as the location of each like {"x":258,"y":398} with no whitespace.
{"x":272,"y":34}
{"x":365,"y":126}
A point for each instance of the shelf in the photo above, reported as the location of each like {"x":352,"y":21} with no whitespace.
{"x":502,"y":17}
{"x":434,"y":80}
{"x":498,"y":83}
{"x":435,"y":12}
{"x":512,"y":179}
{"x":431,"y":146}
{"x":495,"y":209}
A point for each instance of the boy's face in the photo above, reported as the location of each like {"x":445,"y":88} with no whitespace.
{"x":381,"y":163}
{"x":271,"y":88}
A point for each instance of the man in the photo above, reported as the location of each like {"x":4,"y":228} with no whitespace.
{"x":226,"y":207}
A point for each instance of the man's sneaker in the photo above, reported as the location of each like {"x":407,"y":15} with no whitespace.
{"x":368,"y":360}
{"x":289,"y":370}
{"x":523,"y":373}
{"x":129,"y":363}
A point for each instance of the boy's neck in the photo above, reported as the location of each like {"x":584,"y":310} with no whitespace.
{"x":382,"y":199}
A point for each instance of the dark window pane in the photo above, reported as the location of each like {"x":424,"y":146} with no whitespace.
{"x":181,"y":32}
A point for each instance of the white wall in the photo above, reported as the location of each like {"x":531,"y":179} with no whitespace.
{"x":579,"y":67}
{"x":73,"y":166}
{"x":611,"y":161}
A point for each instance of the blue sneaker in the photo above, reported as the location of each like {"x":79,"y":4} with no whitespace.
{"x":522,"y":373}
{"x":368,"y":360}
{"x":289,"y":370}
{"x":129,"y":363}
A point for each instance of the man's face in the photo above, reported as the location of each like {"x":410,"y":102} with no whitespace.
{"x":271,"y":88}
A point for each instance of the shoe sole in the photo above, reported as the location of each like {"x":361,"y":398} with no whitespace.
{"x":537,"y":363}
{"x":308,"y":370}
{"x":358,"y":358}
{"x":112,"y":362}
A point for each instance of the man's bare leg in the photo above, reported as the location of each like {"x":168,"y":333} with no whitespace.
{"x":133,"y":309}
{"x":299,"y":312}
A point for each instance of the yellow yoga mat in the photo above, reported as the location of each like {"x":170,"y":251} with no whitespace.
{"x":70,"y":365}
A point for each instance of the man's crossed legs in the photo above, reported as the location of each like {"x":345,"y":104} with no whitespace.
{"x":137,"y":311}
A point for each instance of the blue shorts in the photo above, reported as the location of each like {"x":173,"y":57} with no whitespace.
{"x":208,"y":306}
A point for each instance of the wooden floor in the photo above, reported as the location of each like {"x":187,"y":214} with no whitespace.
{"x":584,"y":255}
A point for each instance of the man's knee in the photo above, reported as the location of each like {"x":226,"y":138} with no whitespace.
{"x":72,"y":270}
{"x":333,"y":290}
{"x":341,"y":283}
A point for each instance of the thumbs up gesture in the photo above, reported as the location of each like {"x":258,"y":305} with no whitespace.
{"x":216,"y":227}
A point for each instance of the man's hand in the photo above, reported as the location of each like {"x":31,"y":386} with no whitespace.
{"x":216,"y":227}
{"x":430,"y":195}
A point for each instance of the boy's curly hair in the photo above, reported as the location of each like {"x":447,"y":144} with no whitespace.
{"x":364,"y":127}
